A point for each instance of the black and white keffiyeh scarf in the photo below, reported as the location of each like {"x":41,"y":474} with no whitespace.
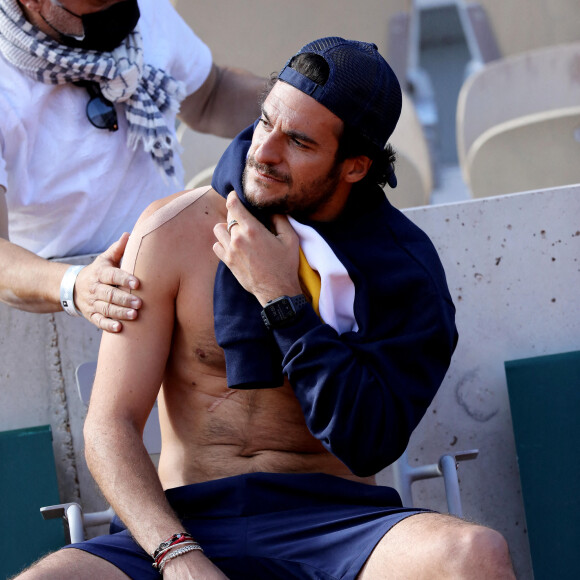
{"x":145,"y":91}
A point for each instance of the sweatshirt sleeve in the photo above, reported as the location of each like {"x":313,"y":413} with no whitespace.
{"x":363,"y":397}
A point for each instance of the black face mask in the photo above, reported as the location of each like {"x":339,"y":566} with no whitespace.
{"x":104,"y":30}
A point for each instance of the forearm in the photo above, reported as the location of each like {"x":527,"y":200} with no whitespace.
{"x":127,"y":477}
{"x":226,"y":104}
{"x":102,"y":291}
{"x":28,"y":282}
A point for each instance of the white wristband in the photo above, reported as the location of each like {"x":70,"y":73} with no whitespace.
{"x":67,"y":290}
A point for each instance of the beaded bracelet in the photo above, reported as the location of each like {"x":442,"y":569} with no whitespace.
{"x":181,"y":539}
{"x":177,"y":552}
{"x":162,"y":554}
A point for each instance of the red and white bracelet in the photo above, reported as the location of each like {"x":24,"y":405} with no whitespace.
{"x":177,"y":545}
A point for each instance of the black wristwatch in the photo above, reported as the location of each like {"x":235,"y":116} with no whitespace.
{"x":282,"y":311}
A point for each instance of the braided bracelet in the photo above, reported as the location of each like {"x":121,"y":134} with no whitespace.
{"x":169,"y":546}
{"x":67,"y":290}
{"x":175,"y":539}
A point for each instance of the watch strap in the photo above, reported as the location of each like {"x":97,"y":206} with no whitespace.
{"x":298,"y":301}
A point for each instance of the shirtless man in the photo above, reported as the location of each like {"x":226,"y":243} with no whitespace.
{"x":277,"y":482}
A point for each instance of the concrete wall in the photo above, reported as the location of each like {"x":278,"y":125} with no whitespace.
{"x":513,"y":268}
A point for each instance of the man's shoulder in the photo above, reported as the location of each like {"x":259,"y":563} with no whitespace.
{"x":176,"y":221}
{"x":171,"y":207}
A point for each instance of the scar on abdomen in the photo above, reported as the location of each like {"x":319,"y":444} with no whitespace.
{"x":219,"y":401}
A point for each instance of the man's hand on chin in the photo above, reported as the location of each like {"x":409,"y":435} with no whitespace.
{"x":265,"y":262}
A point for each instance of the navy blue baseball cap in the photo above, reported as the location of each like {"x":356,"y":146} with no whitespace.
{"x":362,"y":89}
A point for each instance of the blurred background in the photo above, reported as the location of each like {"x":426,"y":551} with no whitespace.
{"x":435,"y":47}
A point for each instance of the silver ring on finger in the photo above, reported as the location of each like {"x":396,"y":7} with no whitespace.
{"x":231,"y":224}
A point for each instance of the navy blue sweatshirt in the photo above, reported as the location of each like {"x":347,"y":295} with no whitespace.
{"x":362,"y":393}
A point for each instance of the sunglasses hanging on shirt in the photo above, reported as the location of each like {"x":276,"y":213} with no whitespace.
{"x":100,"y":111}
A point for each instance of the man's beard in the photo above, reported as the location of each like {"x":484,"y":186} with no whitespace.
{"x":300,"y":203}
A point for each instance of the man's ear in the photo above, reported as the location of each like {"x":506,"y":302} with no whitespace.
{"x":355,"y":168}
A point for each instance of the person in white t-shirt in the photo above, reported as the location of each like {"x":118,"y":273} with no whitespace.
{"x":89,"y":94}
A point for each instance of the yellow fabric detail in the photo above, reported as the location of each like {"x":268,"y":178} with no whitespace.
{"x":310,"y":281}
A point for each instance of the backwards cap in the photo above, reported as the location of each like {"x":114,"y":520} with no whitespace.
{"x":362,"y":89}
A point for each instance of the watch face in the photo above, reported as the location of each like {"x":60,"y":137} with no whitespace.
{"x":280,"y":311}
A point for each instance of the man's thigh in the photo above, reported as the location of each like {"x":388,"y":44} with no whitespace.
{"x":74,"y":565}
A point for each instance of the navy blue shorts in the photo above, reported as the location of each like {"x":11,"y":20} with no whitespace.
{"x":272,"y":526}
